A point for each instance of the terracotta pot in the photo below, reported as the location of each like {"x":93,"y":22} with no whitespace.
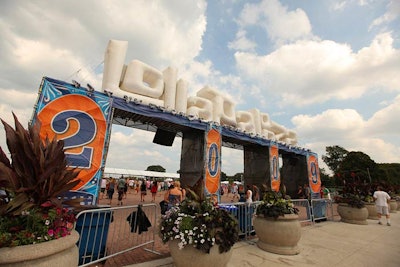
{"x":393,"y":206}
{"x":372,"y":214}
{"x":61,"y":252}
{"x":279,"y":236}
{"x":352,"y":215}
{"x":192,"y":257}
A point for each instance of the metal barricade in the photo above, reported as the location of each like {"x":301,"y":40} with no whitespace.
{"x":305,"y":213}
{"x":107,"y":232}
{"x":244,"y":213}
{"x":322,"y":209}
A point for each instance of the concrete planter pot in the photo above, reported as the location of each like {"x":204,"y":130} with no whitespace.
{"x":393,"y":206}
{"x":61,"y":252}
{"x":191,"y":256}
{"x":279,"y":236}
{"x":372,"y":214}
{"x":352,"y":215}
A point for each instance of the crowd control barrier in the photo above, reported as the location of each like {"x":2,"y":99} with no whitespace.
{"x":244,"y":213}
{"x":108,"y":232}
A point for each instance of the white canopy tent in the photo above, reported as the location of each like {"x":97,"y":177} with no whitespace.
{"x":116,"y":173}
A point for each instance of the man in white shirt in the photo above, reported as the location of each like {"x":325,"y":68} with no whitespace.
{"x":381,"y":202}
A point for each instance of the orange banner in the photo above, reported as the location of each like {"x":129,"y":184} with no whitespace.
{"x":213,"y":161}
{"x":313,"y":173}
{"x":79,"y":121}
{"x":274,"y":167}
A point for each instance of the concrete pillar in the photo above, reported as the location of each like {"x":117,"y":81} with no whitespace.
{"x":294,"y":172}
{"x":257,"y":166}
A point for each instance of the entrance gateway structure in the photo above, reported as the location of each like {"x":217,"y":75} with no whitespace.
{"x":139,"y":96}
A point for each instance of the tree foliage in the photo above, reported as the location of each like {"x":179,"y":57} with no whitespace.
{"x":334,"y":156}
{"x":390,"y":171}
{"x":155,"y":168}
{"x":359,"y":166}
{"x":224,"y":177}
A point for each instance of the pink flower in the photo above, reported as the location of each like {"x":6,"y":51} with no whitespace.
{"x":50,"y":232}
{"x":70,"y":225}
{"x":47,"y":204}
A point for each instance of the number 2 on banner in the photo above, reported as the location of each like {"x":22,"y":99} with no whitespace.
{"x":80,"y":122}
{"x":78,"y":139}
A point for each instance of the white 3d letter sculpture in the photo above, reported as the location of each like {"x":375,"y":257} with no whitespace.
{"x":142,"y":82}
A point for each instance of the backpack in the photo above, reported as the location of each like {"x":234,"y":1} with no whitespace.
{"x":121,"y":184}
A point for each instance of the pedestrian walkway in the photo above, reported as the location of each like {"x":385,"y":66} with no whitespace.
{"x":330,"y":243}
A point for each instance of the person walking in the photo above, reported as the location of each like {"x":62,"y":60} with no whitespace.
{"x":121,"y":189}
{"x":143,"y":190}
{"x":126,"y":188}
{"x":103,"y":187}
{"x":174,"y":195}
{"x":381,"y":202}
{"x":110,"y":190}
{"x":249,"y":195}
{"x":154,"y":190}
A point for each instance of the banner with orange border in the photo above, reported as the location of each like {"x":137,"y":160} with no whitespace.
{"x":213,"y":160}
{"x":313,"y":172}
{"x":274,"y":167}
{"x":82,"y":119}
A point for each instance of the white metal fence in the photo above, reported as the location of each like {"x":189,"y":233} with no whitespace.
{"x":107,"y":232}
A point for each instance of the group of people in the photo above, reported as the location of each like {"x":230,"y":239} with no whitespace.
{"x":109,"y":186}
{"x":175,"y":194}
{"x":124,"y":185}
{"x":303,"y":192}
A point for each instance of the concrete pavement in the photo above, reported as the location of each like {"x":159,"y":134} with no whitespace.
{"x":324,"y":244}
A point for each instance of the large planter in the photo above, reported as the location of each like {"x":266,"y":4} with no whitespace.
{"x":192,"y":257}
{"x":352,"y":215}
{"x":372,"y":214}
{"x":393,"y":206}
{"x":279,"y":236}
{"x":61,"y":252}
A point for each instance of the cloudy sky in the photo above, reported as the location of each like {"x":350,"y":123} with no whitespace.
{"x":329,"y":70}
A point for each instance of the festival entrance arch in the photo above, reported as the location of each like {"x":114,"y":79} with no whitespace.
{"x":82,"y":117}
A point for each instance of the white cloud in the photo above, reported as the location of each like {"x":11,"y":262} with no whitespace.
{"x":308,"y":72}
{"x":336,"y":124}
{"x":386,"y":121}
{"x":281,"y":25}
{"x":392,"y":13}
{"x":348,"y":129}
{"x":60,"y":39}
{"x":242,"y":42}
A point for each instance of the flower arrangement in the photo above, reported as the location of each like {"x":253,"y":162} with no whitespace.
{"x":275,"y":204}
{"x":32,"y":184}
{"x":36,"y":226}
{"x":200,"y":223}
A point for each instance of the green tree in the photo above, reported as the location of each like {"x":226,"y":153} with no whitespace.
{"x":391,"y":171}
{"x":358,"y":166}
{"x":224,"y":177}
{"x":325,"y":178}
{"x":334,"y":156}
{"x":238,"y":176}
{"x":155,"y":168}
